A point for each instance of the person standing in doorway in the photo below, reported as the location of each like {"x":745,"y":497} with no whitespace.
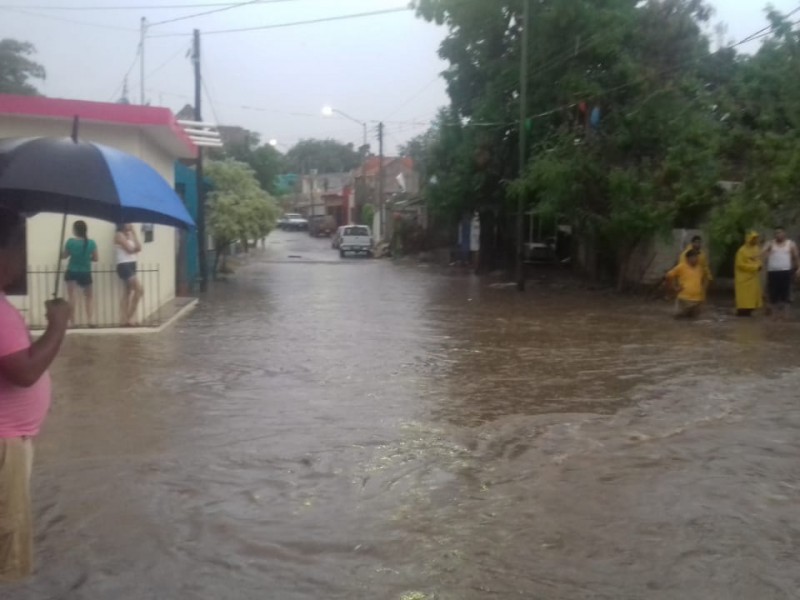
{"x":25,"y":396}
{"x":689,"y":281}
{"x":81,"y":252}
{"x":747,"y":276}
{"x":782,"y":260}
{"x":128,"y":247}
{"x":702,"y":258}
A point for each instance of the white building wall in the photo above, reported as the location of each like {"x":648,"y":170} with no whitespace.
{"x":44,"y":229}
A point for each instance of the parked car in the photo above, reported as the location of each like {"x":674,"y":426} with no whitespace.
{"x":336,"y":238}
{"x":541,"y":252}
{"x":321,"y":225}
{"x":355,"y":239}
{"x":293,"y":222}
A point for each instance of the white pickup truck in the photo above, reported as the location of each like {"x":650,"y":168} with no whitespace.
{"x":355,"y":239}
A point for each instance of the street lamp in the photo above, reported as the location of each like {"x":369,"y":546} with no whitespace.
{"x":329,"y":111}
{"x":276,"y":144}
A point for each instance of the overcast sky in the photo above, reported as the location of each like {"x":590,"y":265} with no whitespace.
{"x":273,"y":81}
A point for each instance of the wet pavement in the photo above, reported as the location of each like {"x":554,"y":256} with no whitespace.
{"x":352,"y":429}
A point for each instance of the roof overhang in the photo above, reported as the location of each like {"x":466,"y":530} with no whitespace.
{"x":157,"y":123}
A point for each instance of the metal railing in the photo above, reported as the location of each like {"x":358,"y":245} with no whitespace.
{"x":107,"y":295}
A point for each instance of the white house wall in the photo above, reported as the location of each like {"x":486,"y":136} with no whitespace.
{"x":44,"y":229}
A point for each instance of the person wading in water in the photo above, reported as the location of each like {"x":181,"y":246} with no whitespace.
{"x":782,"y":260}
{"x":25,"y":396}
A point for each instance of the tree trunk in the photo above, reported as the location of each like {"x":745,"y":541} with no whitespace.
{"x":624,"y":255}
{"x":224,"y":266}
{"x":215,"y":268}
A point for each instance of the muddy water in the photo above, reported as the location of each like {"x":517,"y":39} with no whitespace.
{"x":325,"y":429}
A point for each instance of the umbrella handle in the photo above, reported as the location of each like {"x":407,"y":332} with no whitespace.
{"x":60,"y":248}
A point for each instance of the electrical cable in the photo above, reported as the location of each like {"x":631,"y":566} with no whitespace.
{"x":294,"y":23}
{"x":87,"y":8}
{"x":127,"y":74}
{"x":30,"y":13}
{"x":204,"y":13}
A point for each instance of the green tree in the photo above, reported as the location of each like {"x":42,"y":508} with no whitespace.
{"x":266,"y":161}
{"x":326,"y":156}
{"x":17,"y":69}
{"x":238,"y":209}
{"x":648,"y":163}
{"x":759,"y":98}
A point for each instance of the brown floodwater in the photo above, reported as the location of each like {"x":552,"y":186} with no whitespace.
{"x":323,"y":429}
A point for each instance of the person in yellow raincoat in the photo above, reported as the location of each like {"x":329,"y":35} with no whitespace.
{"x":702,"y":258}
{"x":689,"y":282}
{"x":747,"y":276}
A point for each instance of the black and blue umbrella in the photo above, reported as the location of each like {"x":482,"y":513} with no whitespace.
{"x":67,"y":176}
{"x":85,"y":179}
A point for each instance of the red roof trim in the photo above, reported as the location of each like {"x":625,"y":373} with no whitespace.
{"x":102,"y":112}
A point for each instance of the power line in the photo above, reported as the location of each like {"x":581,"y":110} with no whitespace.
{"x":295,"y":23}
{"x":30,"y":13}
{"x":414,"y":96}
{"x":211,"y":102}
{"x":207,"y":89}
{"x":754,"y":37}
{"x":127,"y":74}
{"x":88,"y":8}
{"x":177,"y":53}
{"x":768,"y":29}
{"x":209,"y":12}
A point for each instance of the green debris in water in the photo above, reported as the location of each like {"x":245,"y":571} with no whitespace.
{"x":415,"y":596}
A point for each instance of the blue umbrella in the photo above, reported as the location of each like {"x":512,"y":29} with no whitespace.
{"x":86,"y":179}
{"x":67,"y":176}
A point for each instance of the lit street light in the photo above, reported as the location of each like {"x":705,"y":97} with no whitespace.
{"x":276,"y":144}
{"x":329,"y":111}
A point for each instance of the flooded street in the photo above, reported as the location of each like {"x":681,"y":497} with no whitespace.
{"x":352,"y":429}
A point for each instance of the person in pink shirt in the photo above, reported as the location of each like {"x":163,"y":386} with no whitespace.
{"x":24,"y":401}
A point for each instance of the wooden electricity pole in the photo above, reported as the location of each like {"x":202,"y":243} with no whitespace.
{"x":523,"y":141}
{"x":381,"y":203}
{"x":201,"y":188}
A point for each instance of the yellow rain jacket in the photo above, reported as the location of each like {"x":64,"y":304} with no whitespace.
{"x":702,"y":262}
{"x":691,"y":282}
{"x":748,"y":274}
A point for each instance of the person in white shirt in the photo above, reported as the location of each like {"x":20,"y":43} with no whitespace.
{"x":127,"y":247}
{"x":782,"y":261}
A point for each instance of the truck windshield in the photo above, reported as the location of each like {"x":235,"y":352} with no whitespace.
{"x":361,"y":231}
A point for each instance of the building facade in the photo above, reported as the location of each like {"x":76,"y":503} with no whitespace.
{"x":327,"y":194}
{"x":149,"y":133}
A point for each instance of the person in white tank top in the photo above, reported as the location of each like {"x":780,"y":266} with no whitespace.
{"x":127,"y":247}
{"x":782,"y":261}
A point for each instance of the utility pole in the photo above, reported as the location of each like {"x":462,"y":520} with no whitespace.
{"x":381,"y":204}
{"x":201,"y":188}
{"x":142,"y":36}
{"x":523,"y":141}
